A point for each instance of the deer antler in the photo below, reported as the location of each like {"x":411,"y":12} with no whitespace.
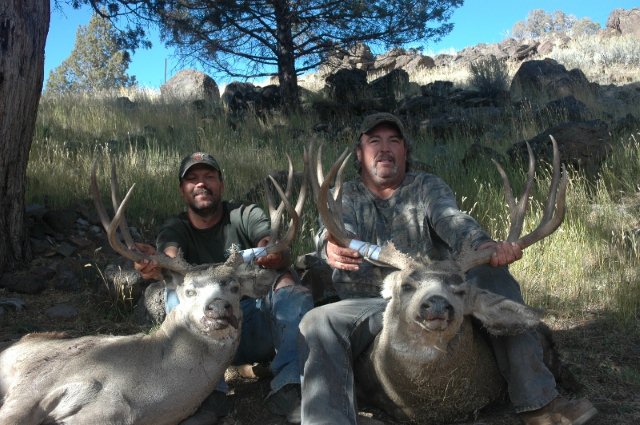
{"x":110,"y":226}
{"x":330,"y":211}
{"x":551,"y":219}
{"x":276,"y":243}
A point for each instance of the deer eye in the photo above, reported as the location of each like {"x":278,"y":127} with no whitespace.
{"x":407,"y":287}
{"x":234,"y":289}
{"x":190,"y":292}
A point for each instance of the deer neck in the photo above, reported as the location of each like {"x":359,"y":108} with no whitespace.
{"x":178,"y":338}
{"x":409,"y":345}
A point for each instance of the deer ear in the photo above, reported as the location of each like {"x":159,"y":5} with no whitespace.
{"x":388,"y":283}
{"x":499,"y":315}
{"x":172,"y":279}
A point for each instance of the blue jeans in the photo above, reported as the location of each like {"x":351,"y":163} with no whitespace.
{"x":269,"y":332}
{"x":333,"y":335}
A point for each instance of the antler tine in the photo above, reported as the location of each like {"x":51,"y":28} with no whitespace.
{"x":124,"y":227}
{"x":175,"y":264}
{"x":336,"y":200}
{"x":555,"y":178}
{"x":319,"y":172}
{"x":309,"y":158}
{"x":517,"y":211}
{"x":275,"y":214}
{"x":110,"y":227}
{"x":556,"y":203}
{"x":329,"y":207}
{"x":302,"y":196}
{"x":330,"y":210}
{"x":97,"y":200}
{"x":278,"y":245}
{"x":552,"y":217}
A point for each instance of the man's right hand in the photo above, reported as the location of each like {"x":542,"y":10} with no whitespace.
{"x":148,"y":269}
{"x":342,"y":258}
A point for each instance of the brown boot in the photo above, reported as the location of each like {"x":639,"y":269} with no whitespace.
{"x":561,"y":411}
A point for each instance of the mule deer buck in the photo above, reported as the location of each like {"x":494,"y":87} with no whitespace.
{"x":429,"y":363}
{"x":160,"y":378}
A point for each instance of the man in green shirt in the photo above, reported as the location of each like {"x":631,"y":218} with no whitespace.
{"x":204,"y":234}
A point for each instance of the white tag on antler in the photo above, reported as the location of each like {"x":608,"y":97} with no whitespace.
{"x":248,"y":255}
{"x":367,"y":250}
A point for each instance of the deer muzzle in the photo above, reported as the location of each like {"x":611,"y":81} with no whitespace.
{"x":435,"y":313}
{"x":220,"y":315}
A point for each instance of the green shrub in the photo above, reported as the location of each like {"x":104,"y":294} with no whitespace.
{"x":490,"y":76}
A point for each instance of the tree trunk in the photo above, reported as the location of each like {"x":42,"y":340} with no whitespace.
{"x":24,"y":25}
{"x":287,"y":76}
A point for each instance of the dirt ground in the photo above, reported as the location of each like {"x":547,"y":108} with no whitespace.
{"x":603,"y":355}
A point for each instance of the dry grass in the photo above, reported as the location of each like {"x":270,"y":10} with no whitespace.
{"x":585,"y":277}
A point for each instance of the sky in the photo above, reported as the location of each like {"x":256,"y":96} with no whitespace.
{"x":477,"y":21}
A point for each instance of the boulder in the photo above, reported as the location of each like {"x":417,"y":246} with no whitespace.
{"x":270,"y":97}
{"x":392,"y":86}
{"x":239,"y":97}
{"x":190,"y":86}
{"x":583,"y":145}
{"x":356,"y":57}
{"x":419,"y":62}
{"x":347,"y":86}
{"x":387,"y":61}
{"x":541,"y":81}
{"x":625,"y":22}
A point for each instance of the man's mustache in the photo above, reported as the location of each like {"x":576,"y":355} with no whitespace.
{"x":202,"y":192}
{"x":385,"y":157}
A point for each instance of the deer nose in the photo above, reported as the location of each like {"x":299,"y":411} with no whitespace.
{"x":436,"y":306}
{"x":219,"y":305}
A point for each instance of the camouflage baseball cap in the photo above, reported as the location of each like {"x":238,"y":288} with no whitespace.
{"x":197,"y":158}
{"x":373,"y":120}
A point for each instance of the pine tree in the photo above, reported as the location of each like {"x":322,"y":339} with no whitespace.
{"x":96,"y":64}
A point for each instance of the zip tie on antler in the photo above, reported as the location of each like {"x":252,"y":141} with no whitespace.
{"x":368,"y":250}
{"x":248,"y":255}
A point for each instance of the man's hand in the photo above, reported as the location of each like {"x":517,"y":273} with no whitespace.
{"x":342,"y":258}
{"x":148,"y":269}
{"x":505,"y":252}
{"x":275,"y":261}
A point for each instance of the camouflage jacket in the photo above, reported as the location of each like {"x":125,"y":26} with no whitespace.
{"x":421,"y":217}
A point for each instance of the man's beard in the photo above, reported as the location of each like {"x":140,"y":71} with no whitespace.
{"x":207,"y":210}
{"x":393,"y":170}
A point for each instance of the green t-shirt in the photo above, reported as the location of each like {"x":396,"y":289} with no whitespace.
{"x":241,"y":225}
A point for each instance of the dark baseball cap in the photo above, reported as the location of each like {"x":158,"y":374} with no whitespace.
{"x":373,"y":120}
{"x":195,"y":159}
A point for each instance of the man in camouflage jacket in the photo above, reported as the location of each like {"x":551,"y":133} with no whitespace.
{"x":418,"y":212}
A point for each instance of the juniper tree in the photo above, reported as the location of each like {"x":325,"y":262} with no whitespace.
{"x":97,"y":63}
{"x":539,"y":23}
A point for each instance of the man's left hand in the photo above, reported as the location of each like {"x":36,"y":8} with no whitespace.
{"x":272,"y":261}
{"x":505,"y":252}
{"x":277,"y":260}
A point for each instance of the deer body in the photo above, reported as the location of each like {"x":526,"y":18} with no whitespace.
{"x":433,"y":386}
{"x":159,"y":378}
{"x":430,"y":364}
{"x":155,"y":379}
